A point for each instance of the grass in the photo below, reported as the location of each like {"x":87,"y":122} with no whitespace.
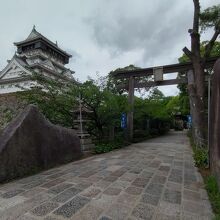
{"x":211,"y":186}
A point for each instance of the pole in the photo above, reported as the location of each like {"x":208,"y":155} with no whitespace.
{"x":209,"y":95}
{"x":80,"y":114}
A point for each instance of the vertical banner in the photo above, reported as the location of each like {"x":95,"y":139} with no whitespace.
{"x":189,"y":120}
{"x":123,"y":120}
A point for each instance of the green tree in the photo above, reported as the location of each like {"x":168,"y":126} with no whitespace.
{"x":55,"y":99}
{"x":106,"y":107}
{"x":114,"y":84}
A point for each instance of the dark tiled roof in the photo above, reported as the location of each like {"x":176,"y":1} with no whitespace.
{"x":35,"y":35}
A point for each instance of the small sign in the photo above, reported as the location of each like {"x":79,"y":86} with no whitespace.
{"x":123,"y":120}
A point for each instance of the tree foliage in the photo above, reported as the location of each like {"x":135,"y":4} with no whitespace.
{"x":54,"y":98}
{"x":210,"y":18}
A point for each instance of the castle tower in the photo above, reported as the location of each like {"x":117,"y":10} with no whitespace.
{"x":35,"y":53}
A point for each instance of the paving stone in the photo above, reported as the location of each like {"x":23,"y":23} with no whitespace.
{"x":126,"y":199}
{"x":68,"y":176}
{"x":56,"y":175}
{"x":105,"y":218}
{"x":169,"y":208}
{"x":191,"y":216}
{"x":146,"y":174}
{"x":174,"y":186}
{"x":44,"y":209}
{"x":32,"y":192}
{"x":51,"y":218}
{"x":71,"y":207}
{"x":91,"y":192}
{"x":140,"y":182}
{"x":26,"y":217}
{"x":113,"y":168}
{"x":136,"y":170}
{"x":120,"y":184}
{"x":53,"y":183}
{"x":50,"y":172}
{"x":83,"y":185}
{"x":110,"y":178}
{"x":104,"y":173}
{"x":164,"y":216}
{"x":134,"y":190}
{"x":112,"y":191}
{"x":158,"y":179}
{"x":34,"y":184}
{"x":89,"y":212}
{"x":172,"y":196}
{"x":19,"y":209}
{"x":191,"y":195}
{"x":119,"y":172}
{"x":8,"y":203}
{"x":103,"y":201}
{"x":87,"y":174}
{"x":99,"y":159}
{"x":175,"y":178}
{"x":189,"y":177}
{"x":193,"y":186}
{"x":143,"y":211}
{"x":11,"y":193}
{"x":66,"y":195}
{"x":30,"y":179}
{"x":154,"y":189}
{"x":178,"y":163}
{"x":178,"y":172}
{"x":193,"y":207}
{"x":102,"y":184}
{"x":154,"y":164}
{"x":94,"y":178}
{"x":118,"y":211}
{"x":59,"y":188}
{"x":129,"y":177}
{"x":150,"y":199}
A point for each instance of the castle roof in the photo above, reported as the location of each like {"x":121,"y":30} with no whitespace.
{"x":36,"y":36}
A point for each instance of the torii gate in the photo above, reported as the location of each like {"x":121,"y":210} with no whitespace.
{"x":134,"y":77}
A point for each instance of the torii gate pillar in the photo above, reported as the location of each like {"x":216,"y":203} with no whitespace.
{"x":130,"y":117}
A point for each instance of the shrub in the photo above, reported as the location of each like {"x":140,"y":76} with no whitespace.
{"x":109,"y":146}
{"x":103,"y":148}
{"x":200,"y":156}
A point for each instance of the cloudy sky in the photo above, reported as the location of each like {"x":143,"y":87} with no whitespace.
{"x":103,"y":35}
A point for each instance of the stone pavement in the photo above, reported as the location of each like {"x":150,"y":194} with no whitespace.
{"x":155,"y":179}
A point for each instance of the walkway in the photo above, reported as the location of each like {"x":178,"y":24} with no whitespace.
{"x":150,"y":180}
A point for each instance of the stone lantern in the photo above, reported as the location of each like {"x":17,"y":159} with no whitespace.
{"x":80,"y":123}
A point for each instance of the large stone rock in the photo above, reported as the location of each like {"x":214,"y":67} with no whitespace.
{"x":215,"y":123}
{"x":30,"y":143}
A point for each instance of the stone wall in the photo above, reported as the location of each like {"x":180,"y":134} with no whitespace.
{"x":30,"y":143}
{"x":215,"y":123}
